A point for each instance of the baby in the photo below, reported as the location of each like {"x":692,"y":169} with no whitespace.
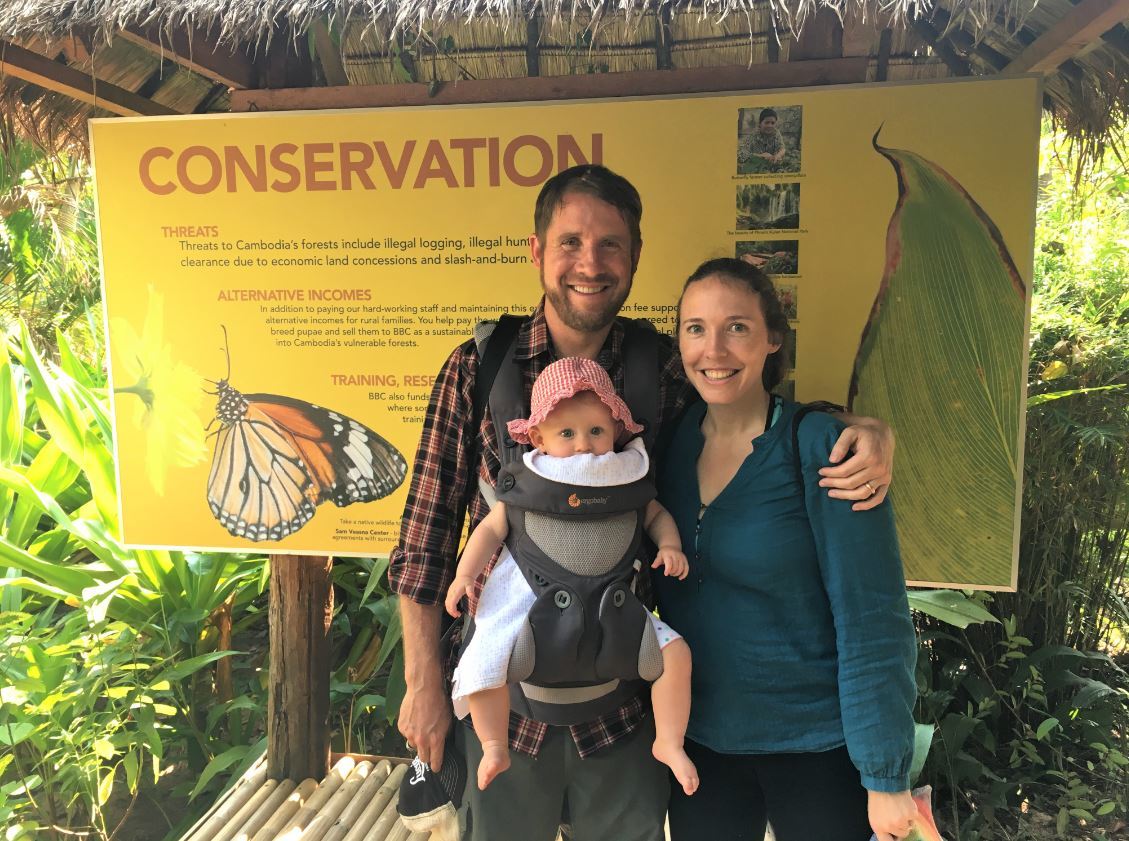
{"x":575,"y":423}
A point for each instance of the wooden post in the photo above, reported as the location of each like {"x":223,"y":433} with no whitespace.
{"x":301,"y":607}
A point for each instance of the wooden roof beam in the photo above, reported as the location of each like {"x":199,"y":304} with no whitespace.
{"x":51,"y":75}
{"x":329,"y":56}
{"x":956,"y":64}
{"x":197,"y":52}
{"x":1082,"y":25}
{"x":632,"y":83}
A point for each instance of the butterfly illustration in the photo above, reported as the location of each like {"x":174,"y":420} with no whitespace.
{"x":277,"y":458}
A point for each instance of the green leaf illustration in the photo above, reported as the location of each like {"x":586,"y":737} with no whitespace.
{"x":942,"y":358}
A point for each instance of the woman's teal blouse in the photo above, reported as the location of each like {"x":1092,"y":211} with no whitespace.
{"x":794,"y":609}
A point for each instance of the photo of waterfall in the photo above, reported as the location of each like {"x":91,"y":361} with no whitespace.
{"x":765,"y":206}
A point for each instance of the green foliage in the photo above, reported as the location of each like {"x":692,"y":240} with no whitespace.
{"x":110,"y":653}
{"x":1033,"y":711}
{"x":86,"y":706}
{"x":48,"y":245}
{"x":368,"y":685}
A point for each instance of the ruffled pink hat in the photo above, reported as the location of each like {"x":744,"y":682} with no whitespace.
{"x":566,"y":378}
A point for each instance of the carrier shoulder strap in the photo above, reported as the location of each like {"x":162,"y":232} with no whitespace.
{"x":493,"y":347}
{"x":493,"y":341}
{"x":641,"y":375}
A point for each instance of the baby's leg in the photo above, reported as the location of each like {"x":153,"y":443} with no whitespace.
{"x":670,"y":696}
{"x":490,"y":712}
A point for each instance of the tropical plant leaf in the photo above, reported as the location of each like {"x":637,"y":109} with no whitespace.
{"x":1047,"y":397}
{"x":12,"y":409}
{"x":949,"y":606}
{"x":186,"y":667}
{"x":219,"y":763}
{"x":922,"y":741}
{"x":60,"y":410}
{"x":942,"y":357}
{"x":71,"y":364}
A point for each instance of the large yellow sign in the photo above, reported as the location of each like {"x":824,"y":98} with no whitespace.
{"x":282,"y":288}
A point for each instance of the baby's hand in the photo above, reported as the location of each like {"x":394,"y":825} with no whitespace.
{"x":673,"y":561}
{"x":460,"y":587}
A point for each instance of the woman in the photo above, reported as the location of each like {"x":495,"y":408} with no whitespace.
{"x":795,"y":606}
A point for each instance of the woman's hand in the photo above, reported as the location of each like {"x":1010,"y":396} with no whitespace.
{"x":891,"y":814}
{"x":673,"y":561}
{"x":866,"y":475}
{"x":460,"y":587}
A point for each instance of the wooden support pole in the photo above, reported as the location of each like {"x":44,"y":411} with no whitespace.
{"x":884,"y":45}
{"x":533,"y":45}
{"x":53,"y":76}
{"x":301,"y":607}
{"x":821,"y":38}
{"x":664,"y":38}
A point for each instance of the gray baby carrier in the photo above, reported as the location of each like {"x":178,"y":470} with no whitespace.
{"x":588,"y":644}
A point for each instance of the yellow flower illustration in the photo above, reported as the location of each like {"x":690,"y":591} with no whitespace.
{"x":169,"y":394}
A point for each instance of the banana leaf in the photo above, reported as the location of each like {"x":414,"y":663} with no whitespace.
{"x":942,"y":358}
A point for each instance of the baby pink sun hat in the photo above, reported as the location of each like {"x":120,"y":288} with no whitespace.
{"x":566,"y":378}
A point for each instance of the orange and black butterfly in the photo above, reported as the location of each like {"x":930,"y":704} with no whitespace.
{"x":277,"y":458}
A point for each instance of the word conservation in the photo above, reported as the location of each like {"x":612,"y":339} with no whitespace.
{"x":526,"y":161}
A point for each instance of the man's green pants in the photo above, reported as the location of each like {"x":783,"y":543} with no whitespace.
{"x":618,"y":794}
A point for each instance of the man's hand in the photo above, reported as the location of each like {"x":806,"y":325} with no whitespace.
{"x":867,"y":474}
{"x":425,"y":712}
{"x":891,"y":815}
{"x":425,"y":718}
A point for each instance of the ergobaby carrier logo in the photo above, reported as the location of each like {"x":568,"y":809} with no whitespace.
{"x":575,"y":501}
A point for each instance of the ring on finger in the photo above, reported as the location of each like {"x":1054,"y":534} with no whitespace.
{"x":873,"y":490}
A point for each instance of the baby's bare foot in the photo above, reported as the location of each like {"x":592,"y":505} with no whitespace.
{"x":495,"y":760}
{"x":674,"y":757}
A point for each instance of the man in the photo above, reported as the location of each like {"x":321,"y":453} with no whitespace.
{"x":586,"y":246}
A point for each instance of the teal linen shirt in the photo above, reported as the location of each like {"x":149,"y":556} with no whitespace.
{"x":795,"y":607}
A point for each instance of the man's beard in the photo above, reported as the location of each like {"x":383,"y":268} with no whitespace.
{"x":584,"y":321}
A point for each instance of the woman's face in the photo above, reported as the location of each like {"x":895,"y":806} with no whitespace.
{"x":768,"y":125}
{"x":724,"y":340}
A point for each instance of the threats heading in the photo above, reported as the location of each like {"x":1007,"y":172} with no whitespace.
{"x":525,"y":160}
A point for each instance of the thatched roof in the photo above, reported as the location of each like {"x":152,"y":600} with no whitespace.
{"x":189,"y":56}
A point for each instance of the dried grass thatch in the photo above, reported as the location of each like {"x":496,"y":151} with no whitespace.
{"x":257,"y":22}
{"x":395,"y":41}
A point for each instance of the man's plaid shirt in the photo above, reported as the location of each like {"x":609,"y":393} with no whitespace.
{"x":423,"y":564}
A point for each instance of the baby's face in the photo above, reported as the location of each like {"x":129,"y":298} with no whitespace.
{"x":580,"y":424}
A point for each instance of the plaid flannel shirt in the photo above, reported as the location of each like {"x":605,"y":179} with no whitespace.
{"x":422,"y":565}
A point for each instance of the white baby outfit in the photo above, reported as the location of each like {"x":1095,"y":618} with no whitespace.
{"x":507,"y":597}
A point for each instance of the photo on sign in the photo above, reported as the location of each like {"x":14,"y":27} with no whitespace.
{"x":768,"y":139}
{"x":786,"y":293}
{"x":773,"y":257}
{"x":768,"y":206}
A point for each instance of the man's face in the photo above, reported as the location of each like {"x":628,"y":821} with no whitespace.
{"x":768,"y":125}
{"x":586,"y":262}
